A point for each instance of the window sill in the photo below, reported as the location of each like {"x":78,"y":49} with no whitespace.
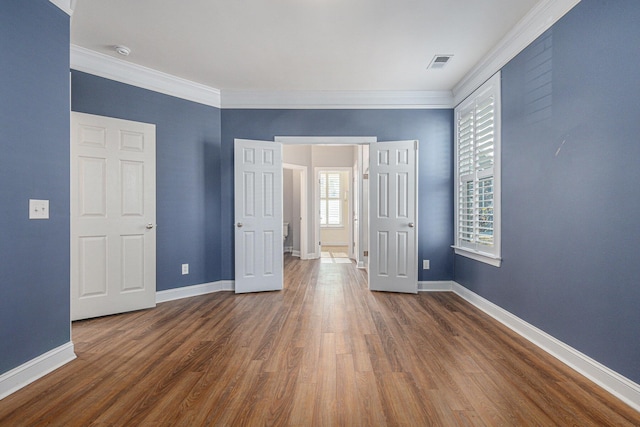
{"x":478,"y":256}
{"x":332,"y":226}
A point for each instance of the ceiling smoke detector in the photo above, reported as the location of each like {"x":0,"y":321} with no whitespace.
{"x":439,"y":61}
{"x":122,"y":50}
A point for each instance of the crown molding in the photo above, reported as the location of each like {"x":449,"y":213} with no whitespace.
{"x":65,"y":5}
{"x":337,"y":99}
{"x":102,"y":65}
{"x":537,"y":21}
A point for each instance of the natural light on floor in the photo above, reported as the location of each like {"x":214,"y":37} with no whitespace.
{"x":334,"y":255}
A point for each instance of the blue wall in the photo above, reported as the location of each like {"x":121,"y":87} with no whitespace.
{"x":571,"y":198}
{"x":34,"y":164}
{"x":187,"y":172}
{"x":195,"y":174}
{"x":433,"y":128}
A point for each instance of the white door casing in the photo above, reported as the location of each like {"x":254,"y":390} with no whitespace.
{"x":113,"y":216}
{"x":258,"y":216}
{"x":300,"y":173}
{"x":393,"y":262}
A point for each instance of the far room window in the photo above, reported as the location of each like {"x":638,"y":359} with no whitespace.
{"x":330,"y":200}
{"x":477,"y":183}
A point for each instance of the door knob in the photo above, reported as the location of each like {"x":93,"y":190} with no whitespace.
{"x":149,"y":226}
{"x":411,"y":225}
{"x":239,"y":225}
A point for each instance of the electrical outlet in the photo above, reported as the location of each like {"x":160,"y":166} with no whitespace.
{"x":185,"y":268}
{"x":425,"y":264}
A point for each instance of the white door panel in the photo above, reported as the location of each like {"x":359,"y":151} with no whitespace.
{"x":258,"y":216}
{"x":113,"y":250}
{"x":393,"y":262}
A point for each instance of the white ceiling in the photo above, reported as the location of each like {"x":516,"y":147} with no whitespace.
{"x":294,"y":45}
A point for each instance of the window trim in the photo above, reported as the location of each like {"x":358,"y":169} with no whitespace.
{"x":491,"y":86}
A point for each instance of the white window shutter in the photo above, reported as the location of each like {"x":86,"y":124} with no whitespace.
{"x":478,"y":171}
{"x":330,"y":199}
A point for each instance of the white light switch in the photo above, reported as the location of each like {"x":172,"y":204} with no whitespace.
{"x":185,"y":268}
{"x":38,"y":209}
{"x":425,"y":264}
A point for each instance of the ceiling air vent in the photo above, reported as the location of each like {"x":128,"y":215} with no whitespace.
{"x":439,"y":61}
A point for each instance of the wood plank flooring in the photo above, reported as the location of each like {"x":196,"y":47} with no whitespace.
{"x":323,"y":352}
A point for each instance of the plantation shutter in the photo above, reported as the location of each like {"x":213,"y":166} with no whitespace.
{"x":330,"y":203}
{"x":476,"y":145}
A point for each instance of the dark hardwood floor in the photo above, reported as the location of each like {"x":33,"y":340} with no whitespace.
{"x":325,"y":351}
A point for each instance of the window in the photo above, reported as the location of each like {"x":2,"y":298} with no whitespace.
{"x":477,"y":122}
{"x":330,"y":201}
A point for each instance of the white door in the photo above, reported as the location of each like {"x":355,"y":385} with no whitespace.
{"x":393,"y":260}
{"x":258,"y":216}
{"x":113,"y":216}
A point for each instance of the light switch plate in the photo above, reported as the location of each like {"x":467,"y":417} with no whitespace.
{"x":185,"y":268}
{"x":38,"y":209}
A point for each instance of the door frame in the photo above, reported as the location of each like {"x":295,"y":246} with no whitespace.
{"x":316,"y":204}
{"x":302,"y":172}
{"x":327,"y":140}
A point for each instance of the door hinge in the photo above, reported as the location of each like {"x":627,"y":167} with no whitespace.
{"x":366,"y":253}
{"x":365,"y":176}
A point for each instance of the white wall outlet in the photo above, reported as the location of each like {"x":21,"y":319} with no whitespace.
{"x":425,"y":264}
{"x":185,"y":268}
{"x":38,"y":209}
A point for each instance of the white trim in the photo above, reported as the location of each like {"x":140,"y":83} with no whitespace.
{"x":327,"y":140}
{"x":102,"y":65}
{"x":335,"y":243}
{"x":303,"y":173}
{"x":288,"y":249}
{"x":34,"y":369}
{"x":539,"y":19}
{"x":194,"y":290}
{"x":295,"y":253}
{"x":337,"y":99}
{"x":436,"y":286}
{"x":616,"y":384}
{"x":65,"y":5}
{"x":478,"y":256}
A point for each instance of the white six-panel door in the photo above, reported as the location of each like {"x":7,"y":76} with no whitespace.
{"x":258,"y":216}
{"x":393,"y":261}
{"x":113,"y":236}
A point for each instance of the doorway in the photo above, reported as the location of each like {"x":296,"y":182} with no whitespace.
{"x":335,"y":153}
{"x":392,"y":203}
{"x":335,"y":213}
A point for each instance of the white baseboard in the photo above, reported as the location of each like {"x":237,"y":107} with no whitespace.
{"x":616,"y":384}
{"x":194,"y":290}
{"x":295,"y":252}
{"x":34,"y":369}
{"x":436,"y":286}
{"x":288,"y":249}
{"x":335,"y":244}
